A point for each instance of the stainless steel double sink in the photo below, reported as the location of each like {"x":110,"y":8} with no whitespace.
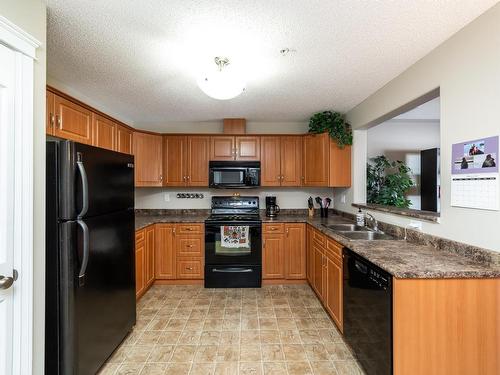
{"x":357,"y":232}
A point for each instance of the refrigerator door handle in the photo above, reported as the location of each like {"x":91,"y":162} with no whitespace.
{"x":85,"y":185}
{"x":86,"y":250}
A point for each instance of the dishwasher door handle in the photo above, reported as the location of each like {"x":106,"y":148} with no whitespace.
{"x":232,"y":270}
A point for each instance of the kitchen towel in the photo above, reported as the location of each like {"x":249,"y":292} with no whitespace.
{"x":234,"y":236}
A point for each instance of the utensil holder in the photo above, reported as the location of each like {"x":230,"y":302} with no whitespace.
{"x":323,"y":212}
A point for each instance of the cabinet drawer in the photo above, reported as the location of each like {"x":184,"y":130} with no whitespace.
{"x":190,"y":268}
{"x":189,"y":228}
{"x":273,"y":228}
{"x":189,"y":246}
{"x":334,"y":247}
{"x":139,"y":235}
{"x":319,"y":237}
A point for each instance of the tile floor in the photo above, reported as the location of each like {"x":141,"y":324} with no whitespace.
{"x":274,"y":330}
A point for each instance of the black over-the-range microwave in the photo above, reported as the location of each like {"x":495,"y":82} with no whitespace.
{"x":234,"y":174}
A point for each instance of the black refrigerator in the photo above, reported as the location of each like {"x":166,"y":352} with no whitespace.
{"x":90,"y":269}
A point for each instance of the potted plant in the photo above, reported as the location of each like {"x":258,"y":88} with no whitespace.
{"x":333,"y":123}
{"x":387,"y":182}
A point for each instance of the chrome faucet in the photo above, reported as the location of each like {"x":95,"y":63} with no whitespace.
{"x":374,"y":221}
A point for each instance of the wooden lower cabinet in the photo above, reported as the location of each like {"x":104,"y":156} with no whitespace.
{"x":144,"y":259}
{"x":165,"y":251}
{"x":324,"y":272}
{"x":284,"y":251}
{"x":149,"y":266}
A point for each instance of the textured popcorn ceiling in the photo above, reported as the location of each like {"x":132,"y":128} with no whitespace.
{"x":141,"y":58}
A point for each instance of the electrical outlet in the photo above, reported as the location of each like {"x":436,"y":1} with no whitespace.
{"x":342,"y":198}
{"x":167,"y":197}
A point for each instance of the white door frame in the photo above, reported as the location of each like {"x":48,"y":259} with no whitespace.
{"x":25,"y":47}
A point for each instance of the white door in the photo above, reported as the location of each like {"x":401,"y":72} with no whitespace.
{"x":7,"y":198}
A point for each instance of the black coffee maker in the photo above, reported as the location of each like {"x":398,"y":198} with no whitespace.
{"x":272,"y":209}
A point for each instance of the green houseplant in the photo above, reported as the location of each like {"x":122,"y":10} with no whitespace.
{"x":333,"y":123}
{"x":387,"y":182}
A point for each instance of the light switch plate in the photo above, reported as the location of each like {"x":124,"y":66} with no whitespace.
{"x":167,"y":197}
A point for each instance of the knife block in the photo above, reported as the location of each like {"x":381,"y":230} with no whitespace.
{"x":311,"y":212}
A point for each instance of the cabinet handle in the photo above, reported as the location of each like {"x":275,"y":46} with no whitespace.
{"x":189,"y":246}
{"x":189,"y":268}
{"x":52,"y":120}
{"x":59,"y":121}
{"x":278,"y":177}
{"x":236,"y":153}
{"x":161,"y":178}
{"x":173,"y":230}
{"x":287,"y":231}
{"x":188,"y":177}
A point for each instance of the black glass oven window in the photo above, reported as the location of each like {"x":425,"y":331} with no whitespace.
{"x":231,"y":176}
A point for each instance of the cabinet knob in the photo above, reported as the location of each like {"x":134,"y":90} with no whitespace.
{"x":189,"y":268}
{"x":161,"y":178}
{"x":278,"y":177}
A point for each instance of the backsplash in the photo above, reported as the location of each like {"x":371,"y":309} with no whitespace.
{"x":155,"y":198}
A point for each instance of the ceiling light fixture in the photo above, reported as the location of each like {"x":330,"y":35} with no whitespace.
{"x":222,"y":83}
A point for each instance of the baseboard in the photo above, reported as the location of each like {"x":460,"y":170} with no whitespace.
{"x":283,"y":282}
{"x":179,"y":282}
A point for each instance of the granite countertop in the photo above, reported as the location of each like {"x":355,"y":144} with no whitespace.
{"x":400,"y":258}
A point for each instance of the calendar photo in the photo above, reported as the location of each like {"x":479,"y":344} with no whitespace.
{"x":477,"y":156}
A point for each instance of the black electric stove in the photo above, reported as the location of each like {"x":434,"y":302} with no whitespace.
{"x":233,"y":243}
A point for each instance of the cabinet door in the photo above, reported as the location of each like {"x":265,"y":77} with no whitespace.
{"x":222,"y":148}
{"x":291,"y":161}
{"x":340,"y":165}
{"x":50,"y":120}
{"x":174,"y":160}
{"x":164,"y":251}
{"x":315,"y":159}
{"x":333,"y":293}
{"x":273,"y":257}
{"x":197,"y":160}
{"x":318,"y":270}
{"x":270,"y":173}
{"x":150,"y":256}
{"x":310,"y":254}
{"x":148,"y":159}
{"x":103,"y":132}
{"x":247,"y":148}
{"x":140,"y":253}
{"x":124,"y":140}
{"x":295,"y":251}
{"x":73,"y":121}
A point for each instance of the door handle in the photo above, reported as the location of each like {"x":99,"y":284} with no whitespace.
{"x":86,"y":251}
{"x":233,"y":270}
{"x":85,"y":185}
{"x":6,"y":282}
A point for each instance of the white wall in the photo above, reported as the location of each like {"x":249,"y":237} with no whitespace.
{"x":30,"y":15}
{"x":403,"y":140}
{"x":154,"y":198}
{"x":467,"y":69}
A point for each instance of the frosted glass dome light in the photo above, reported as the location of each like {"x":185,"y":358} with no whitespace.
{"x":222,"y":83}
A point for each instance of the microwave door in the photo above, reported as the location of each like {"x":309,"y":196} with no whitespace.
{"x":229,"y":177}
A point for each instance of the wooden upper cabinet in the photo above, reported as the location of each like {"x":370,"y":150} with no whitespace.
{"x":103,"y":132}
{"x":198,"y":152}
{"x":50,"y":120}
{"x":291,"y":161}
{"x":247,"y":148}
{"x":73,"y":121}
{"x":316,"y":159}
{"x":148,"y":159}
{"x":124,"y":142}
{"x":295,"y":251}
{"x":174,"y":160}
{"x":273,"y":257}
{"x":340,"y":165}
{"x":270,"y":173}
{"x":222,"y":147}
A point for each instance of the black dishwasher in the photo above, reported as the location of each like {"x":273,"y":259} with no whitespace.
{"x":368,"y":313}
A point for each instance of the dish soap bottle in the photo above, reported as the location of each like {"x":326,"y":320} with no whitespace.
{"x":360,"y":218}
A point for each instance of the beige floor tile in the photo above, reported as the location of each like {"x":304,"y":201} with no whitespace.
{"x":310,"y":336}
{"x":148,"y":338}
{"x":229,"y":337}
{"x":190,"y":337}
{"x":119,"y":355}
{"x":210,"y":337}
{"x":109,"y":369}
{"x":250,"y":368}
{"x":213,"y":325}
{"x":286,"y":323}
{"x":274,"y":368}
{"x":231,"y":324}
{"x":178,"y":369}
{"x":294,"y":352}
{"x":206,"y":354}
{"x":137,"y":353}
{"x":330,"y":335}
{"x":228,"y":353}
{"x":323,"y":368}
{"x":194,"y":324}
{"x":282,"y":312}
{"x":154,"y":369}
{"x":299,"y":368}
{"x":250,"y":337}
{"x":290,"y":336}
{"x":347,"y":368}
{"x":169,"y":337}
{"x":183,"y":353}
{"x":268,"y":323}
{"x":130,"y":369}
{"x":226,"y":368}
{"x":161,"y":353}
{"x":266,"y":312}
{"x":338,"y":351}
{"x":272,"y":353}
{"x":305,"y":323}
{"x":250,"y":353}
{"x":316,"y":352}
{"x":270,"y":337}
{"x":202,"y":369}
{"x":249,"y":323}
{"x":175,"y":325}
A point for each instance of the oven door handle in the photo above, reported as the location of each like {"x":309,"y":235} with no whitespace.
{"x":232,"y":270}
